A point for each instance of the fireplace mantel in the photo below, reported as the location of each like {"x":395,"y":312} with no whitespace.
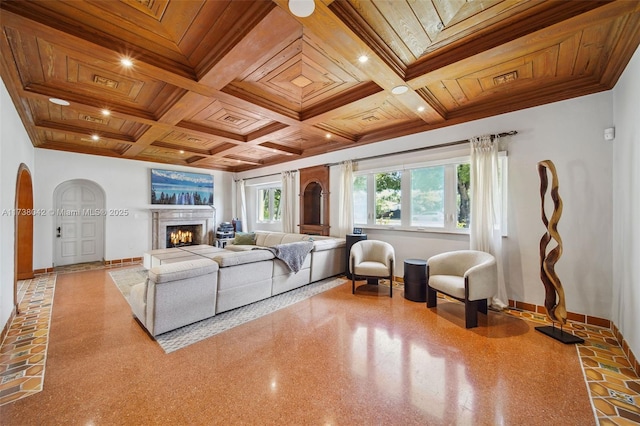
{"x":161,"y":218}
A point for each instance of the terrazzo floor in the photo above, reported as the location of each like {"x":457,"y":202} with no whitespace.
{"x":612,"y":385}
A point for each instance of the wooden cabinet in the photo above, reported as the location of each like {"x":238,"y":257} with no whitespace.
{"x":314,"y":200}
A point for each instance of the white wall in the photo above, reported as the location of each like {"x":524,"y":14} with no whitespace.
{"x":126,"y":184}
{"x":569,"y":133}
{"x":15,"y":148}
{"x":626,"y":204}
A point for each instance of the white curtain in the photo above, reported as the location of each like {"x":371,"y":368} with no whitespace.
{"x":486,"y":234}
{"x":288,"y":201}
{"x":345,"y":202}
{"x":240,"y":189}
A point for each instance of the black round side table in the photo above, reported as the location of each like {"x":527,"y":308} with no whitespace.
{"x":415,"y":280}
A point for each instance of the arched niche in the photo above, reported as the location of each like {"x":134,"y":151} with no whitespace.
{"x":23,"y":244}
{"x":314,"y":200}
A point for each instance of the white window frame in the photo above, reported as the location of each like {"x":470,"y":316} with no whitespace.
{"x":450,"y":208}
{"x":271,"y":188}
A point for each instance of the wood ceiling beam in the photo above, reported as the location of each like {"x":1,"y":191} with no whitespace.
{"x":82,"y":132}
{"x":282,"y":148}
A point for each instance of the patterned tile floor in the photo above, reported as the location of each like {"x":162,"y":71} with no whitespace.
{"x":614,"y":386}
{"x":23,"y":353}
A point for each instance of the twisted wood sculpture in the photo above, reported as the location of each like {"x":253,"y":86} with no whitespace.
{"x":556,"y":312}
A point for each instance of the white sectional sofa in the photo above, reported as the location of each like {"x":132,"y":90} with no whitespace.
{"x":244,"y":274}
{"x":175,"y":295}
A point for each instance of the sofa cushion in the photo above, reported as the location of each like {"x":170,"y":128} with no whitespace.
{"x":321,"y":244}
{"x":273,"y":239}
{"x":295,"y":238}
{"x":182,"y":270}
{"x":245,"y":238}
{"x":449,"y":284}
{"x":233,"y":258}
{"x":236,"y":247}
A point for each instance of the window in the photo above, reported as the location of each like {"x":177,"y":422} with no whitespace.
{"x":427,"y":197}
{"x":269,"y":204}
{"x":388,"y":197}
{"x":439,"y":196}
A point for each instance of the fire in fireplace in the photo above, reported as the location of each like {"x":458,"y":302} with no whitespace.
{"x":183,"y":235}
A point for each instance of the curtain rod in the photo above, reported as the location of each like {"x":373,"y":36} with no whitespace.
{"x":263,"y":176}
{"x":424,"y":148}
{"x":442,"y":145}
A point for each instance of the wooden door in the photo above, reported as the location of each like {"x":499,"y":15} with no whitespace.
{"x":24,"y":225}
{"x":79,"y":223}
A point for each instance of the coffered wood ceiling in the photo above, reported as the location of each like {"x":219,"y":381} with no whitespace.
{"x":238,"y":85}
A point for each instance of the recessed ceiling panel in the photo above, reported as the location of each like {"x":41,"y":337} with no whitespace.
{"x":377,"y":113}
{"x":223,"y":116}
{"x":299,"y":76}
{"x":553,"y":60}
{"x":191,"y":142}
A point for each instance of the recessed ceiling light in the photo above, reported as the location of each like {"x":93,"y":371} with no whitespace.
{"x":328,"y":136}
{"x":106,"y":112}
{"x":363,"y":59}
{"x":399,"y":90}
{"x":181,"y":151}
{"x":420,"y":108}
{"x":126,"y":62}
{"x":59,"y":101}
{"x":302,"y":8}
{"x":95,"y":137}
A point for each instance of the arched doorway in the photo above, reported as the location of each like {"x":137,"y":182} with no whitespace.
{"x":79,"y":222}
{"x":23,"y":243}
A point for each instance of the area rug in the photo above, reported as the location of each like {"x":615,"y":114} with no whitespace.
{"x":185,"y":336}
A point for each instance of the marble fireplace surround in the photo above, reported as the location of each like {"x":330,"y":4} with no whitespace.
{"x":161,"y":218}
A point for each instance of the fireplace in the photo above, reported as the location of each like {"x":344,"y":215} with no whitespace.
{"x":200,"y":223}
{"x":183,"y":235}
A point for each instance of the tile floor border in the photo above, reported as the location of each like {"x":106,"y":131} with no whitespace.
{"x":23,"y":352}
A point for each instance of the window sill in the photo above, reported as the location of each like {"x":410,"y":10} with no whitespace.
{"x":418,"y":230}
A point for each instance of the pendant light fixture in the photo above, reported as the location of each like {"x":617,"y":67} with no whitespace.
{"x":302,"y":8}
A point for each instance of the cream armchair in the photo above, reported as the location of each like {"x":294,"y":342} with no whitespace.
{"x":469,"y":276}
{"x":371,"y":259}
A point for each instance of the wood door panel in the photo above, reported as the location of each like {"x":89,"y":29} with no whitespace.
{"x":80,"y":239}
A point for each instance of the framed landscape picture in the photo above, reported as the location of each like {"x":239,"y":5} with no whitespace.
{"x":181,"y":188}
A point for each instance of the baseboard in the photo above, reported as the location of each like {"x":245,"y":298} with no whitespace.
{"x":6,"y":327}
{"x":125,"y":261}
{"x":585,"y":319}
{"x":114,"y":262}
{"x":633,"y":360}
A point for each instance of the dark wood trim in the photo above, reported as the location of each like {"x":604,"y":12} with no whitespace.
{"x":23,"y":226}
{"x":318,"y":175}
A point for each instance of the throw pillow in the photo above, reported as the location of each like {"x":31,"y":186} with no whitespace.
{"x":245,"y":239}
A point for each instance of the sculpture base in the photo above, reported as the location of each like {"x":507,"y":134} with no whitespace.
{"x":559,"y":334}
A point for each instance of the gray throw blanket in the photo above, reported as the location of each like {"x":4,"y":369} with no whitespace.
{"x":293,"y":254}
